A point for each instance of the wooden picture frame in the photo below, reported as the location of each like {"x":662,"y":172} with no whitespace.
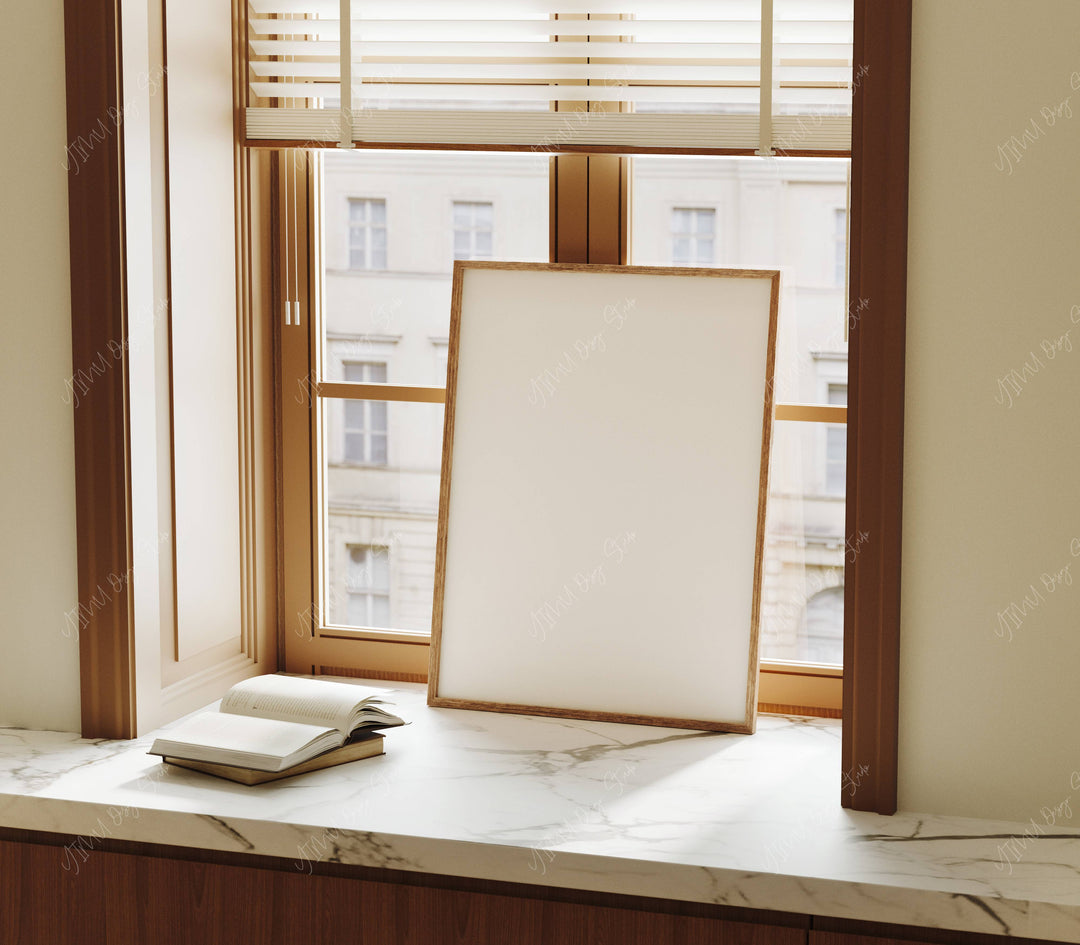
{"x":522,"y":497}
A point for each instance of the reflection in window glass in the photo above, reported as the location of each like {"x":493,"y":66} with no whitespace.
{"x":368,"y":586}
{"x":822,"y":627}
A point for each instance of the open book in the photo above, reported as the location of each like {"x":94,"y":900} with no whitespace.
{"x":270,"y":723}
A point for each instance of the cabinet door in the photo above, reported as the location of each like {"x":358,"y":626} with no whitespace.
{"x":53,"y":895}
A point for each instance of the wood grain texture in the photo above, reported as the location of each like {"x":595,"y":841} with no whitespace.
{"x":570,"y":222}
{"x":442,"y":702}
{"x":121,"y":893}
{"x":747,"y":726}
{"x":763,"y":499}
{"x":423,"y":395}
{"x":776,"y":708}
{"x":42,"y":903}
{"x":410,"y":878}
{"x":875,"y":445}
{"x":813,"y":413}
{"x":132,"y":899}
{"x":362,"y":673}
{"x":166,"y":901}
{"x":99,"y":323}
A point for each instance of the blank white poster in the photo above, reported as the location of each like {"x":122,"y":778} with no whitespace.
{"x":601,"y":523}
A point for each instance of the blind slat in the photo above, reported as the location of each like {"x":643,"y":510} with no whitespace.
{"x":389,"y":50}
{"x":701,"y":74}
{"x":421,"y":69}
{"x":530,"y":9}
{"x":450,"y":92}
{"x":507,"y":30}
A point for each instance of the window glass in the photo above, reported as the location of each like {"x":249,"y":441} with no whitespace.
{"x":836,"y":446}
{"x":367,"y":234}
{"x":388,"y":320}
{"x":775,"y":213}
{"x":692,"y":236}
{"x":472,"y":230}
{"x":388,"y":502}
{"x":368,"y":586}
{"x":840,"y":240}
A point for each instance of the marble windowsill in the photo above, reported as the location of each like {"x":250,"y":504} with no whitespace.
{"x":749,"y":821}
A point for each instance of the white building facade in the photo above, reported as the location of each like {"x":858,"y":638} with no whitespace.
{"x":393,"y":223}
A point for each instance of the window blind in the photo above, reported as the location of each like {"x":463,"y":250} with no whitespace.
{"x":701,"y":75}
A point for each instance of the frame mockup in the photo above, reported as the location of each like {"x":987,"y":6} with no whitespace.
{"x":605,"y":468}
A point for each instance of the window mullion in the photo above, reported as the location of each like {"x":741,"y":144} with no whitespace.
{"x":589,"y":208}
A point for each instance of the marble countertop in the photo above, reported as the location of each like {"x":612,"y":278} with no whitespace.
{"x":750,"y":821}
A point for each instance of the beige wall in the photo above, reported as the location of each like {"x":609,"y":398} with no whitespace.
{"x":988,"y":724}
{"x":39,"y":665}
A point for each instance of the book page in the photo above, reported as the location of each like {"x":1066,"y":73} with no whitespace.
{"x":237,"y":739}
{"x":298,"y":699}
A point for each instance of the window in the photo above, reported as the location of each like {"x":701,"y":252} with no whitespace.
{"x":836,"y":446}
{"x":784,"y":222}
{"x":362,"y":504}
{"x":883,"y":45}
{"x":693,"y":236}
{"x":365,"y":496}
{"x":367,"y":586}
{"x":472,"y":230}
{"x":586,"y":200}
{"x":823,"y":627}
{"x":840,"y":238}
{"x":365,"y":420}
{"x":367,"y":234}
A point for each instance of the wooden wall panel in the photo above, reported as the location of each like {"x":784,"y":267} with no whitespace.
{"x":98,"y":320}
{"x":130,"y":899}
{"x":875,"y":445}
{"x":42,"y":903}
{"x":166,"y":901}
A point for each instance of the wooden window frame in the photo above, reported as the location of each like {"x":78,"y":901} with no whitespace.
{"x":878,"y":241}
{"x":878,"y":255}
{"x":96,"y":217}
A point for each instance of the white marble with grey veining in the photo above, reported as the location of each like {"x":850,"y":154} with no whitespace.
{"x":737,"y":820}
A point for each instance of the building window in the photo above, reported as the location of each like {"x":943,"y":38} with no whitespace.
{"x":823,"y":627}
{"x":367,"y":234}
{"x":365,"y":420}
{"x":836,"y":446}
{"x":840,"y":242}
{"x":693,"y":236}
{"x":472,"y":230}
{"x":367,"y":584}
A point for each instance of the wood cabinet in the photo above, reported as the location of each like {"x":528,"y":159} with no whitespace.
{"x":116,"y":893}
{"x":49,"y":897}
